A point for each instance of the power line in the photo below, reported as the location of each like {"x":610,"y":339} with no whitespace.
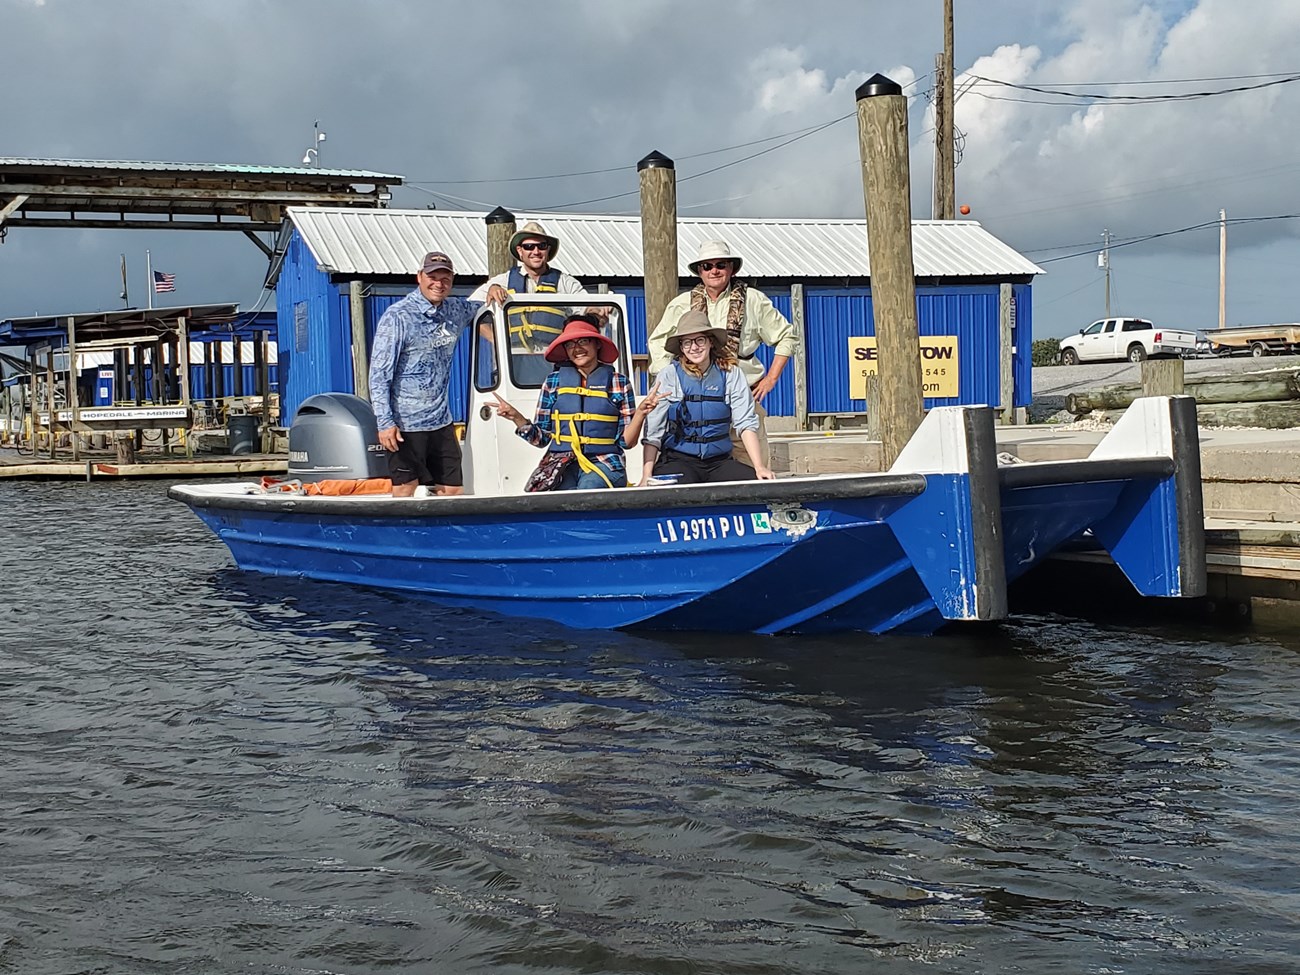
{"x":1157,"y":81}
{"x":806,"y":130}
{"x":613,"y":169}
{"x":735,"y":162}
{"x":1132,"y":99}
{"x":1130,"y":241}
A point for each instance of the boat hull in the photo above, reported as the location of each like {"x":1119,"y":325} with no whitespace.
{"x":832,"y":563}
{"x":935,"y":539}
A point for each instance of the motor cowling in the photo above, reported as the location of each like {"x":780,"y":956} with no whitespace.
{"x":334,"y":436}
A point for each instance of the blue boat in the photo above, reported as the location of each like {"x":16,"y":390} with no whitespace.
{"x":937,"y":538}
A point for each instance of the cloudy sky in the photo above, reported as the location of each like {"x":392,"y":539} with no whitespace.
{"x":449,"y":93}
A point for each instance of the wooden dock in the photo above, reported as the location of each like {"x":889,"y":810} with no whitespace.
{"x":16,"y":466}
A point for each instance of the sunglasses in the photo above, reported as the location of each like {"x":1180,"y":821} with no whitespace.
{"x":692,"y":341}
{"x":534,"y":247}
{"x":710,"y":265}
{"x":580,"y":342}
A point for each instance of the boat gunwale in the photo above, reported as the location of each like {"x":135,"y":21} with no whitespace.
{"x":1084,"y":471}
{"x":783,"y":491}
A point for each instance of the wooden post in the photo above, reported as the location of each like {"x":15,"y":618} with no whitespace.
{"x":500,"y":228}
{"x":872,"y":394}
{"x":658,"y":178}
{"x":1007,"y":362}
{"x":73,"y":376}
{"x":31,"y":402}
{"x":237,"y":374}
{"x":183,"y":368}
{"x":882,"y":143}
{"x":51,"y":398}
{"x":137,"y":380}
{"x":264,"y":380}
{"x":360,"y":362}
{"x":161,"y":386}
{"x":209,"y":380}
{"x":218,"y":374}
{"x":1162,"y":377}
{"x":800,"y":363}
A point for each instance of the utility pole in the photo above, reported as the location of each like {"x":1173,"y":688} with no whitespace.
{"x":945,"y":189}
{"x":1223,"y":267}
{"x":1103,"y":260}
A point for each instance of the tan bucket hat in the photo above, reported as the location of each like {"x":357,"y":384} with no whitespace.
{"x":716,"y":250}
{"x":533,"y":229}
{"x":692,"y":323}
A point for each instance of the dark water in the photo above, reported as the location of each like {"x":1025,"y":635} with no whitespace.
{"x":209,"y":772}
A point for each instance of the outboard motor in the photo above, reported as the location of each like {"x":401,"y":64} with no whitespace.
{"x":334,"y":435}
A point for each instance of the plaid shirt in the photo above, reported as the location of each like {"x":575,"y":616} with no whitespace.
{"x":540,"y":432}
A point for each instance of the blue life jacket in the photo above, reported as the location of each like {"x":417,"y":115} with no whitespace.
{"x":700,"y":423}
{"x":533,"y":327}
{"x":584,"y":416}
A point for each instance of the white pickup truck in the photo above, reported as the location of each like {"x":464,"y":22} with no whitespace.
{"x":1133,"y":339}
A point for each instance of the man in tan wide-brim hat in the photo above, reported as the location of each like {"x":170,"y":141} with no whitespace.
{"x":531,"y":329}
{"x":744,"y":312}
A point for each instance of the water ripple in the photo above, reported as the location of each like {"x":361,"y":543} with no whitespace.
{"x":213,"y":772}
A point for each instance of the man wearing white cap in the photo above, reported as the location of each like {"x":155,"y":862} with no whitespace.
{"x":531,"y":329}
{"x":745,"y":312}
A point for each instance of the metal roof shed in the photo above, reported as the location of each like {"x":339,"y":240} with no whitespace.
{"x":973,"y":293}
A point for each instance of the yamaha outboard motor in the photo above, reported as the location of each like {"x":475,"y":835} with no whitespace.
{"x":334,"y":435}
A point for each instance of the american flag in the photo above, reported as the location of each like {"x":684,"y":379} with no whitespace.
{"x":162,"y":281}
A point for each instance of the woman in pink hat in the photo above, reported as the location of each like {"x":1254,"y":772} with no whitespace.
{"x":586,"y":414}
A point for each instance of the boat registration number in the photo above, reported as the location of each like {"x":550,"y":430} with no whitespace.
{"x":712,"y":527}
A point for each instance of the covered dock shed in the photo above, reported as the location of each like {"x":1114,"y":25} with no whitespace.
{"x":180,"y":368}
{"x":338,"y":269}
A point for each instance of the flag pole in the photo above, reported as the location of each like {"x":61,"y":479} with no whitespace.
{"x":148,"y":273}
{"x":126,"y":301}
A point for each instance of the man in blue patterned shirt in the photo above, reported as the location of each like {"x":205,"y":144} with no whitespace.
{"x":410,"y":373}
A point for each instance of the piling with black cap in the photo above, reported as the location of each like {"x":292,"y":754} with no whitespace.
{"x":886,"y":187}
{"x":658,"y":178}
{"x":500,"y":228}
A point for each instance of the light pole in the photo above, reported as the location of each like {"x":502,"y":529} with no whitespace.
{"x":312,"y":156}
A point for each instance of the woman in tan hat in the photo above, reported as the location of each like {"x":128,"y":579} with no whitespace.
{"x":585,"y":413}
{"x":700,"y":395}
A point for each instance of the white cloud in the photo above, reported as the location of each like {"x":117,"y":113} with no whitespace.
{"x":495,"y":89}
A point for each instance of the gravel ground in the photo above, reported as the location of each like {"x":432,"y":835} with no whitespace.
{"x":1053,"y":383}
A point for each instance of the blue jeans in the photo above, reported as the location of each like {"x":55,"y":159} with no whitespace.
{"x":576,"y":479}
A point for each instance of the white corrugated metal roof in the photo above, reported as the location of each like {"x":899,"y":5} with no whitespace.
{"x":375,"y":242}
{"x":207,"y":169}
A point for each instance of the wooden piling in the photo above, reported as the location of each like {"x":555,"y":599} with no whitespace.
{"x":1162,"y":377}
{"x":882,"y":143}
{"x":500,"y":228}
{"x":73,"y":376}
{"x":183,"y":368}
{"x":658,"y":176}
{"x":31,"y":402}
{"x":800,"y":364}
{"x":1006,"y":353}
{"x":51,"y":399}
{"x":360,"y":363}
{"x":264,"y":381}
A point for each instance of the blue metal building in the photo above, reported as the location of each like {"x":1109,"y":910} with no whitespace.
{"x":973,"y":296}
